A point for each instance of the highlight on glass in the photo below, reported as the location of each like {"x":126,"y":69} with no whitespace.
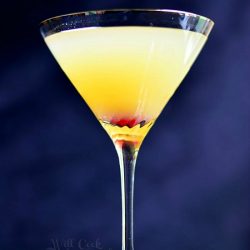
{"x":126,"y":65}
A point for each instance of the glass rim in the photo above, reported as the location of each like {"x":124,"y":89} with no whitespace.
{"x":124,"y":10}
{"x":103,"y":11}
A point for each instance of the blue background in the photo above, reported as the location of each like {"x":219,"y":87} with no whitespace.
{"x":59,"y":176}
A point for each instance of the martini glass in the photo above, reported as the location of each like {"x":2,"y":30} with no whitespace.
{"x":126,"y":64}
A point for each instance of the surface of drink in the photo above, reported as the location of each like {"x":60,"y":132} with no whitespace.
{"x":126,"y":74}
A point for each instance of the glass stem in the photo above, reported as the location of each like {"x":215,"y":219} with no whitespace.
{"x":127,"y":154}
